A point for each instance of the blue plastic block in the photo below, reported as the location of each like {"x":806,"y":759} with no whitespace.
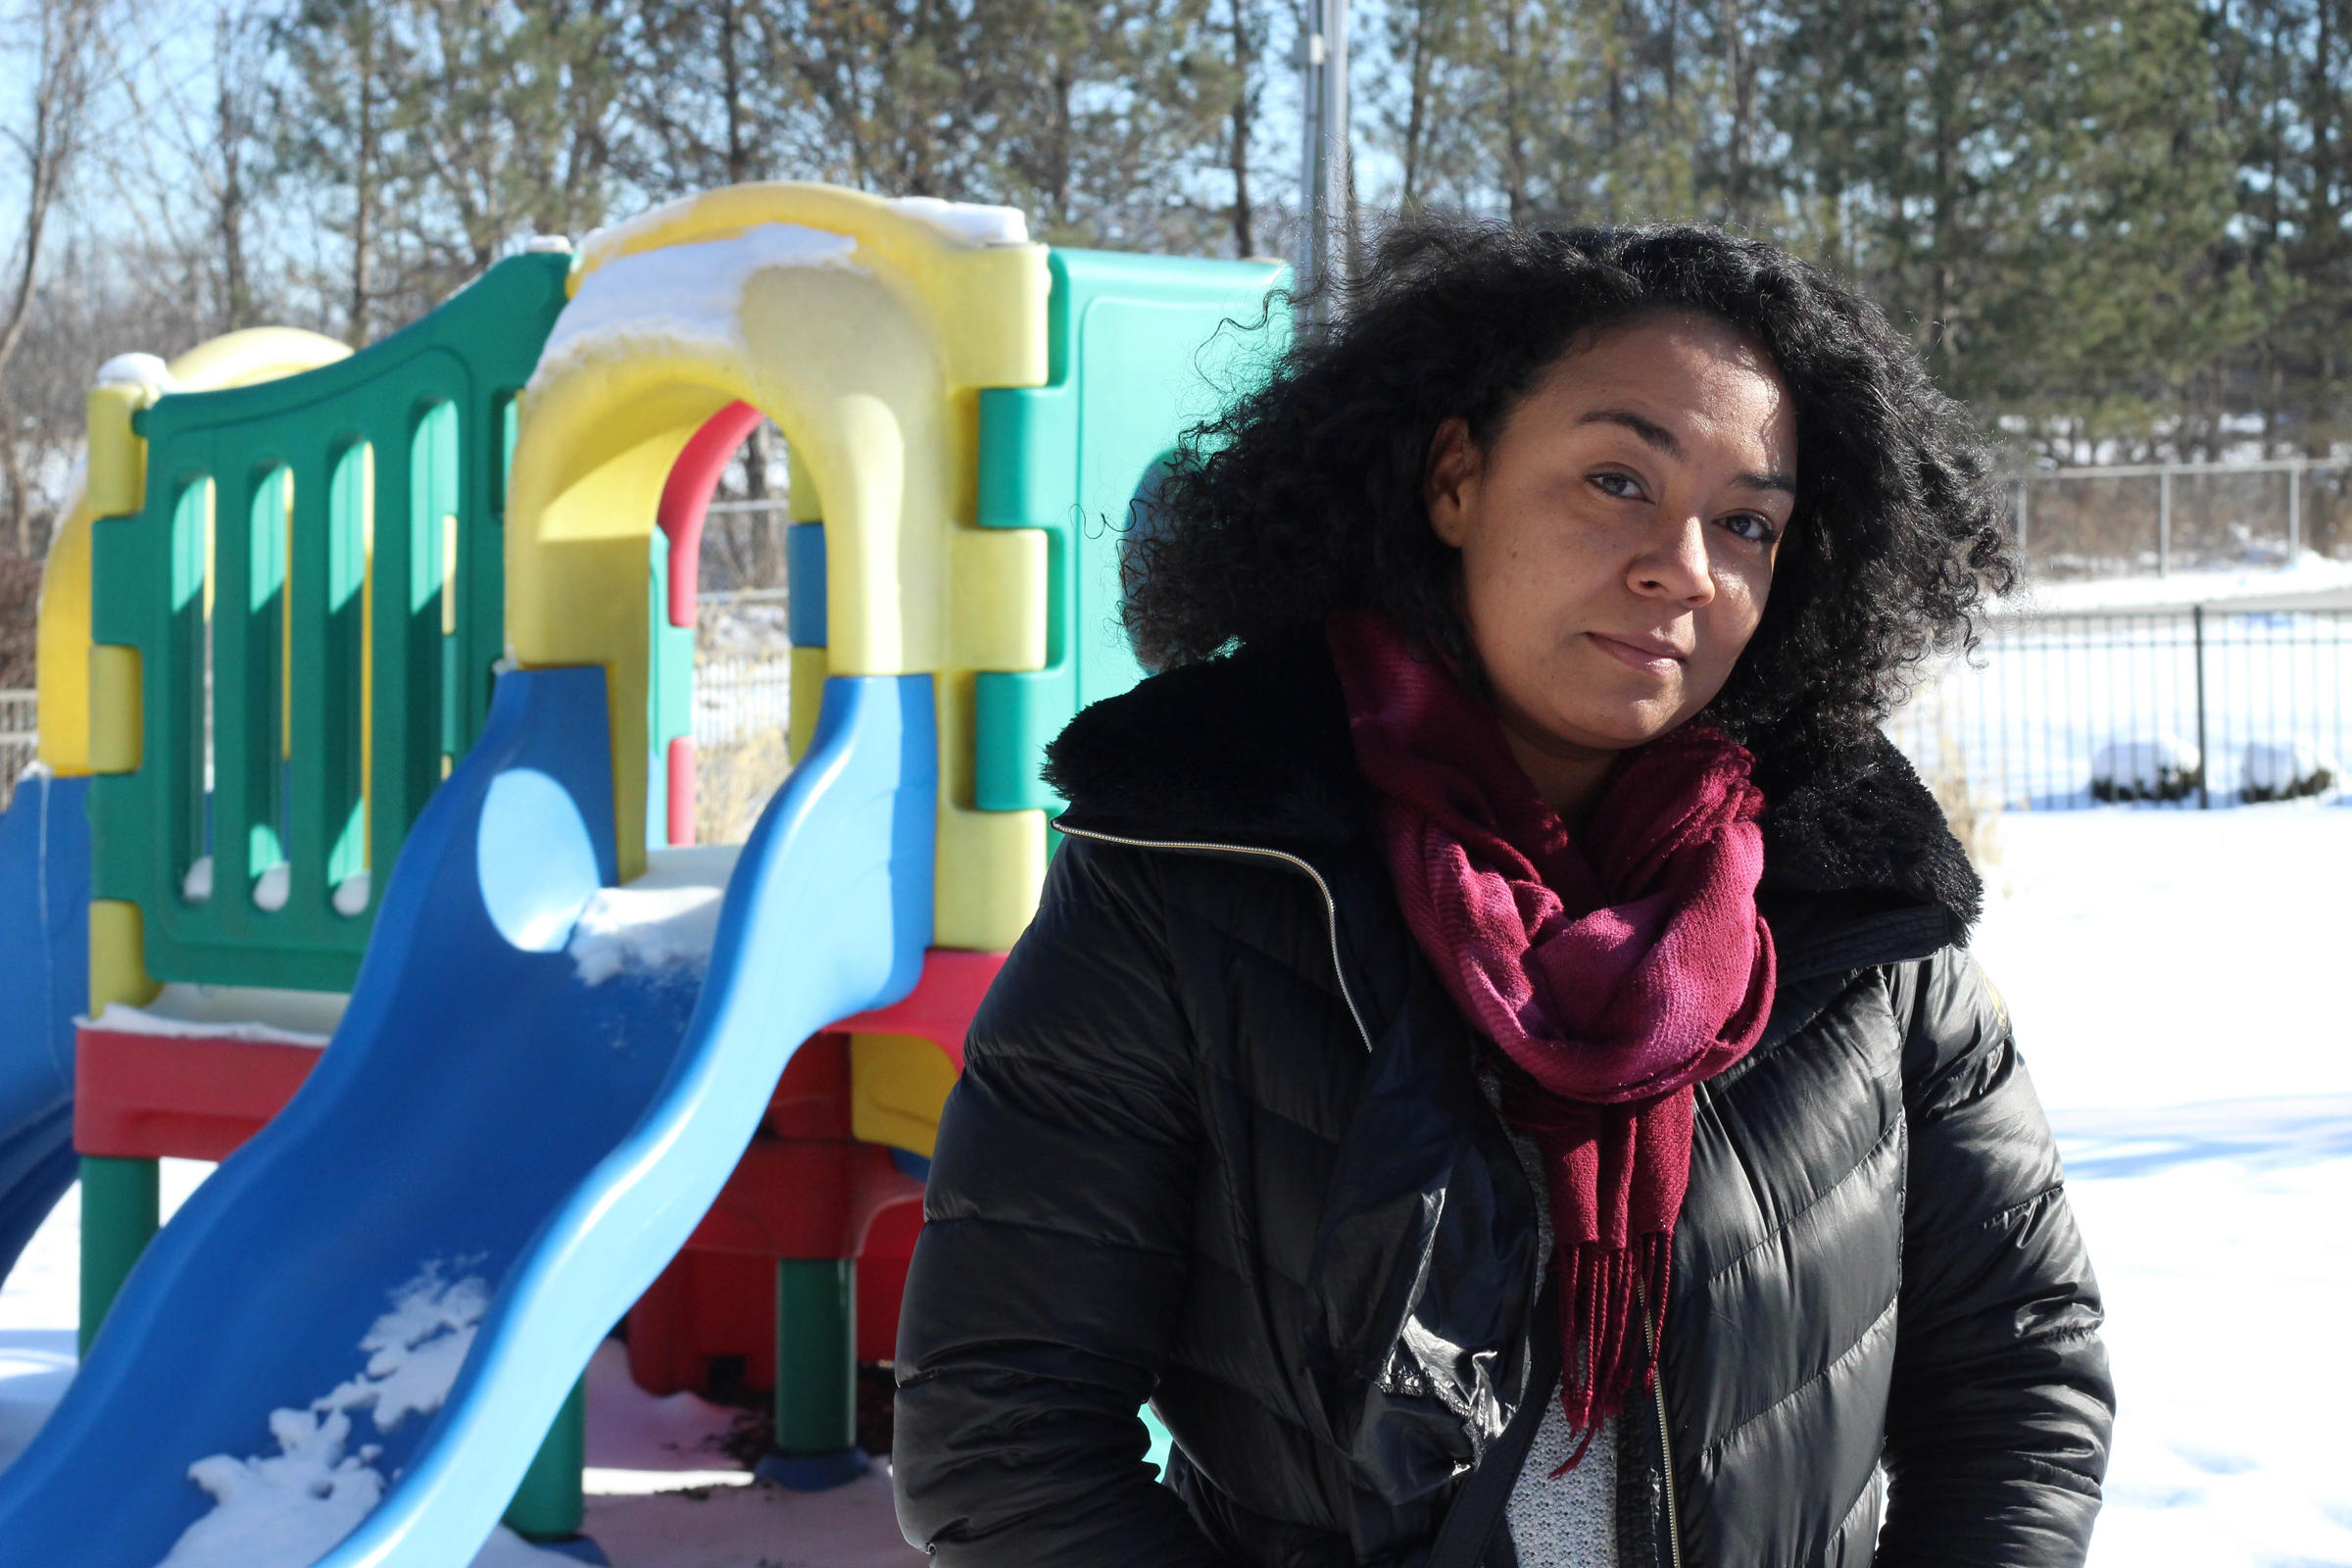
{"x":804,"y":573}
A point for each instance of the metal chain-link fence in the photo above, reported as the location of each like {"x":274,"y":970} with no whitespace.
{"x":2133,"y":520}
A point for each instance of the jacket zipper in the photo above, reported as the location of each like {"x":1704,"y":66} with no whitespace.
{"x":1331,"y":908}
{"x":1657,"y":1385}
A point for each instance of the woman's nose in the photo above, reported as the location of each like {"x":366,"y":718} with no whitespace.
{"x":1675,"y":565}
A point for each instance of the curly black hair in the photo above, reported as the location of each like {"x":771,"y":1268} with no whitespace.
{"x":1306,"y":495}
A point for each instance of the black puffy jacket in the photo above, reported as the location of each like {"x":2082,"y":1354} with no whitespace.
{"x":1219,"y":1143}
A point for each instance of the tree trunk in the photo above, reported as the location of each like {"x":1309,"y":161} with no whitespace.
{"x":1514,"y":132}
{"x":230,"y":124}
{"x":1943,"y":111}
{"x":363,"y":183}
{"x":731,"y":88}
{"x":1416,"y":111}
{"x":1742,"y":81}
{"x":1245,"y":218}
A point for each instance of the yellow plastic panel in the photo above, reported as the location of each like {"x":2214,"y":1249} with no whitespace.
{"x":62,"y":660}
{"x":992,"y":866}
{"x":117,"y":481}
{"x":114,"y":708}
{"x":870,"y":368}
{"x":999,"y":582}
{"x":806,"y":696}
{"x":859,"y":398}
{"x":1001,"y":343}
{"x":118,"y":957}
{"x":898,"y":1086}
{"x":255,"y":355}
{"x":801,"y":498}
{"x":591,"y":454}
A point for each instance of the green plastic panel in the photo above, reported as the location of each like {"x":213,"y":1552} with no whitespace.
{"x":1141,"y":349}
{"x":299,"y":484}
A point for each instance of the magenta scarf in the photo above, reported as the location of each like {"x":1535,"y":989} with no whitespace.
{"x":1613,"y":974}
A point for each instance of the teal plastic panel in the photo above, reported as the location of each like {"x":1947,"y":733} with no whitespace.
{"x":668,"y":691}
{"x":1142,"y":347}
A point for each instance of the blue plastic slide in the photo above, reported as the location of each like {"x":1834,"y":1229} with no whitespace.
{"x":44,"y":981}
{"x":484,"y":1111}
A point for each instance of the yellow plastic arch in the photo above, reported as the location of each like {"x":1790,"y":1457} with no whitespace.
{"x":61,"y":671}
{"x":870,"y":357}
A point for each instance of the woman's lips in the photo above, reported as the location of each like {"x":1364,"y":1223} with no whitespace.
{"x":1638,"y":654}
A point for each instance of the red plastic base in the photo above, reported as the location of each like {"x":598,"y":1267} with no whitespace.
{"x":142,"y":1096}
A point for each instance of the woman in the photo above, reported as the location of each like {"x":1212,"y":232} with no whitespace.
{"x":1497,"y":1065}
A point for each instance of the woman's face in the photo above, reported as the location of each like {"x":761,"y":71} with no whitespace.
{"x":1618,"y":536}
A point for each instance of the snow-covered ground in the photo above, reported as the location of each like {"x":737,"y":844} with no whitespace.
{"x":2173,"y":978}
{"x":2308,"y":574}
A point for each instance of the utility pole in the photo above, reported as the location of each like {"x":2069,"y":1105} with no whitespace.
{"x":1323,"y":84}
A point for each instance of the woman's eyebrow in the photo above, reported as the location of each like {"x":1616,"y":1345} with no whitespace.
{"x":1652,"y":433}
{"x":1656,"y":436}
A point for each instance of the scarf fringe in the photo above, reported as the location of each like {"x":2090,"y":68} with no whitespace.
{"x":1606,"y":1290}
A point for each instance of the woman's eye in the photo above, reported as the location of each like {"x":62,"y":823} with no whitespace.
{"x":1752,"y":527}
{"x":1624,"y":486}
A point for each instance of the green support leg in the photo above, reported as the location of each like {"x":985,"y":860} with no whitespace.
{"x":817,"y":1375}
{"x":547,"y":1506}
{"x":121,"y":1202}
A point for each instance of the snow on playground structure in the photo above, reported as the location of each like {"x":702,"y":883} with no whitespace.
{"x":678,"y":1084}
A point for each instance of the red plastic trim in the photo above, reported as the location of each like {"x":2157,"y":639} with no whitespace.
{"x":681,"y":790}
{"x":686,"y":495}
{"x":940,"y":1008}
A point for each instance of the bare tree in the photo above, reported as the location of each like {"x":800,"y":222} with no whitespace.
{"x":334,"y":113}
{"x":99,"y":299}
{"x":63,"y":36}
{"x":708,"y":97}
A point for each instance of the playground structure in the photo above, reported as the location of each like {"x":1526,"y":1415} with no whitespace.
{"x":375,"y":670}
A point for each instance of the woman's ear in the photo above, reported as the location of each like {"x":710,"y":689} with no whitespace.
{"x":1450,"y":488}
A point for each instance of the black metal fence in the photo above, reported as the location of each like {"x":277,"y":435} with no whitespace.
{"x":2197,"y":707}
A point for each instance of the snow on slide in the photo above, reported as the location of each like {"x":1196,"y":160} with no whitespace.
{"x":535,"y":1083}
{"x":665,"y":919}
{"x":290,"y":1508}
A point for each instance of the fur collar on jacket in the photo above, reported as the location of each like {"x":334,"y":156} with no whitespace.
{"x":1253,"y":749}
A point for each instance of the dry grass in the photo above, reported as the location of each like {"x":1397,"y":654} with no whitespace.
{"x":20,"y":601}
{"x":732,"y":784}
{"x":1974,"y":822}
